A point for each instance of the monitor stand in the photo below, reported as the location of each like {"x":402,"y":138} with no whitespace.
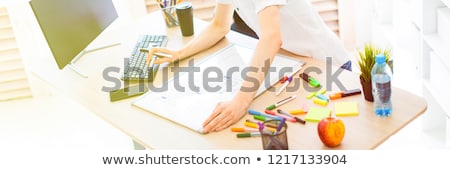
{"x":75,"y":59}
{"x":100,"y":43}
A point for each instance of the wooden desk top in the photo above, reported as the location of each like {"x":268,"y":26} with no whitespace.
{"x":365,"y":131}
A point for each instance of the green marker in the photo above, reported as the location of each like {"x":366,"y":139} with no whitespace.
{"x":312,"y":82}
{"x":245,"y":135}
{"x":259,"y":117}
{"x":275,"y":105}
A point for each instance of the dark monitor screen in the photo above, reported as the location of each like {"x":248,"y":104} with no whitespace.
{"x":69,"y":26}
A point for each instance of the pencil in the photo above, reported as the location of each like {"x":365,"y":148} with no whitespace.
{"x":161,"y":5}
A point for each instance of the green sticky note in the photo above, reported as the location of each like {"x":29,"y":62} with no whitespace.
{"x":315,"y":114}
{"x":346,"y":109}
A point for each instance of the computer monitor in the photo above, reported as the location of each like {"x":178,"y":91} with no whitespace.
{"x":69,"y":26}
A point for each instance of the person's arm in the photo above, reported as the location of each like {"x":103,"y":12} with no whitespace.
{"x":213,"y":33}
{"x":227,"y":113}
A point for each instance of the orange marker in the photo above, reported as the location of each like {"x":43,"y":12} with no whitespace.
{"x":335,"y":96}
{"x":345,"y":94}
{"x":237,"y":129}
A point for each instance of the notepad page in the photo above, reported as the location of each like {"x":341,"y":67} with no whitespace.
{"x":346,"y":109}
{"x":315,"y":114}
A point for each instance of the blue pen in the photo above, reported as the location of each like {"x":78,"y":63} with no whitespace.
{"x":253,"y":112}
{"x":165,"y":3}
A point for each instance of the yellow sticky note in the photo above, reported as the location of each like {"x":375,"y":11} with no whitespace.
{"x":315,"y":114}
{"x":346,"y":109}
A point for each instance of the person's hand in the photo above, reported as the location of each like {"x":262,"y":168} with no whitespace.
{"x":224,"y":115}
{"x":174,"y":55}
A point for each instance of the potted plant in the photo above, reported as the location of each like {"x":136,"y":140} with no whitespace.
{"x":366,"y":61}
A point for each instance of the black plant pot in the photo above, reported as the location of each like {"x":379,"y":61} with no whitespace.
{"x":367,"y":89}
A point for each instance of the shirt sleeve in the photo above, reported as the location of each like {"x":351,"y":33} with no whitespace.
{"x":224,"y":1}
{"x":261,"y":4}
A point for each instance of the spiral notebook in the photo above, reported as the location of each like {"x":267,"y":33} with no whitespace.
{"x":190,"y":107}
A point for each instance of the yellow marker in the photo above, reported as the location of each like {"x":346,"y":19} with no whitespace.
{"x":296,"y":112}
{"x":320,"y":102}
{"x":322,"y":91}
{"x":254,"y":125}
{"x":271,"y":129}
{"x":250,"y":124}
{"x":310,"y":95}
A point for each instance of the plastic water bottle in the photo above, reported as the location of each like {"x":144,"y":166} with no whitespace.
{"x":381,"y":87}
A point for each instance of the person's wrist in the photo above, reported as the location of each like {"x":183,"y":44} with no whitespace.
{"x":179,"y":54}
{"x":243,"y":99}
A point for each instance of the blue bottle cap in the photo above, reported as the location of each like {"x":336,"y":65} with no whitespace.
{"x":380,"y":58}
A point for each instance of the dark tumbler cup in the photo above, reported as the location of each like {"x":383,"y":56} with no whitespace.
{"x":185,"y":18}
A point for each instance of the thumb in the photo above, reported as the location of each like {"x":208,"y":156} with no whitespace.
{"x":160,"y":50}
{"x":162,"y":60}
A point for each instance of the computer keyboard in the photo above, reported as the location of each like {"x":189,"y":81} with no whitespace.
{"x":136,"y":68}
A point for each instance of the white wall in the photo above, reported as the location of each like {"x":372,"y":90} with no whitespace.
{"x":364,"y":17}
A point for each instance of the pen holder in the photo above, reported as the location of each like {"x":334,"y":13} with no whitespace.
{"x":170,"y":16}
{"x":274,"y":140}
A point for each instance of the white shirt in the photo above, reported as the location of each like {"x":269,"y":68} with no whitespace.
{"x":302,"y":29}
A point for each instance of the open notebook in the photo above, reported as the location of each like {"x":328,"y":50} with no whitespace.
{"x":190,"y":107}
